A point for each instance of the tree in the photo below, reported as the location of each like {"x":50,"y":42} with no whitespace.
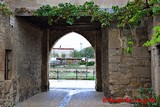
{"x":87,"y":52}
{"x":55,"y":54}
{"x":63,"y":55}
{"x":76,"y":54}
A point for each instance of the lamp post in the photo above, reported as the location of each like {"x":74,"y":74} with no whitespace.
{"x":81,"y":46}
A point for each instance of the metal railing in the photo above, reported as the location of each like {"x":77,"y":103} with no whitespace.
{"x":72,"y":74}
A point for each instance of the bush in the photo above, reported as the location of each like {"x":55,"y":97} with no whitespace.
{"x":90,"y":63}
{"x":82,"y":63}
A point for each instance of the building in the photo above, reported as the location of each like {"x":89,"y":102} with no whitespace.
{"x":62,"y":52}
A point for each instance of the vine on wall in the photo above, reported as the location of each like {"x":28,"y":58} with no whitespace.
{"x":4,"y":9}
{"x":130,"y":15}
{"x":71,"y":12}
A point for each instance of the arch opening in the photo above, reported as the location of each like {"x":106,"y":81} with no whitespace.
{"x":72,"y":62}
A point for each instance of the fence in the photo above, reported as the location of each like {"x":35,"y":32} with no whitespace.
{"x":72,"y":75}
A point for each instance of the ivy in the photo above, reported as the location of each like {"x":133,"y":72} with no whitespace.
{"x":129,"y":45}
{"x":5,"y":9}
{"x":156,"y":37}
{"x":71,"y":12}
{"x":130,"y":15}
{"x":134,"y":13}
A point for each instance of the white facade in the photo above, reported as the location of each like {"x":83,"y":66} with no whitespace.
{"x":59,"y":52}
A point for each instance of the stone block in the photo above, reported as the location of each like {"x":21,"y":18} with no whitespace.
{"x":122,"y":70}
{"x":114,"y":74}
{"x":116,"y":87}
{"x":8,"y":84}
{"x":135,"y":92}
{"x":114,"y":41}
{"x":2,"y":30}
{"x":113,"y":52}
{"x":140,"y":52}
{"x":113,"y":81}
{"x":129,"y":61}
{"x":143,"y":80}
{"x":129,"y":75}
{"x":118,"y":93}
{"x":115,"y":59}
{"x":123,"y":79}
{"x":1,"y":75}
{"x":113,"y":67}
{"x":142,"y":72}
{"x":135,"y":84}
{"x":122,"y":65}
{"x":146,"y":62}
{"x":147,"y":85}
{"x":142,"y":33}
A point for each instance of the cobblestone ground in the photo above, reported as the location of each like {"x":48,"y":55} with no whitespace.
{"x":69,"y":98}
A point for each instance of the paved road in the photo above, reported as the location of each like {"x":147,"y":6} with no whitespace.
{"x":69,"y":97}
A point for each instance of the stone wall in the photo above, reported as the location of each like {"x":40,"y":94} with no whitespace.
{"x":128,"y":72}
{"x":27,"y":58}
{"x":25,"y":42}
{"x":3,"y":29}
{"x":8,"y":93}
{"x":7,"y":87}
{"x":37,"y":3}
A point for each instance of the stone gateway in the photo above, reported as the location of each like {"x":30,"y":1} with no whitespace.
{"x":26,"y":40}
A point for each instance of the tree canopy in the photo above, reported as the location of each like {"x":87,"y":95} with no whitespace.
{"x":87,"y":52}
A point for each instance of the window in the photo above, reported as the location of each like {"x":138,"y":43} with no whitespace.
{"x":8,"y":64}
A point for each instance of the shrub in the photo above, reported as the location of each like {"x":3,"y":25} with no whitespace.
{"x":82,"y":63}
{"x":148,"y":94}
{"x":90,"y":63}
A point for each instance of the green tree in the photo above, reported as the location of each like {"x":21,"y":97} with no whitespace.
{"x":76,"y":54}
{"x":87,"y":52}
{"x":63,"y":55}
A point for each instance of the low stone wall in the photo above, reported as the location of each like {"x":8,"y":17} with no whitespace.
{"x":128,"y":72}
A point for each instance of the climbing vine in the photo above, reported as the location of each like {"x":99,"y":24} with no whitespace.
{"x":156,"y":37}
{"x":71,"y":12}
{"x":5,"y":9}
{"x":130,"y":15}
{"x":133,"y":14}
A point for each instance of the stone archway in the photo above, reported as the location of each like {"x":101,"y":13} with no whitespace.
{"x":35,"y":37}
{"x":93,"y":35}
{"x":90,"y":36}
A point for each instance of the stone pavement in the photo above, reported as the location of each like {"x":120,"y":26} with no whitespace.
{"x":69,"y":97}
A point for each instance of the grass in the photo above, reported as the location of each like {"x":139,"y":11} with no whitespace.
{"x":69,"y":75}
{"x":74,"y":66}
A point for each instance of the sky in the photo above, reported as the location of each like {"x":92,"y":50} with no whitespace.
{"x":72,"y":40}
